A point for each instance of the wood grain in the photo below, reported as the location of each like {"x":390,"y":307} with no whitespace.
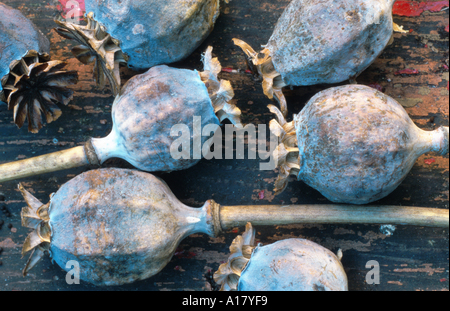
{"x":412,"y":258}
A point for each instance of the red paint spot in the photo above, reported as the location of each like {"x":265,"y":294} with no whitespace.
{"x":413,"y":8}
{"x":407,"y":72}
{"x":443,"y":280}
{"x":429,"y":161}
{"x":235,"y":230}
{"x":227,"y":69}
{"x":446,"y":28}
{"x":70,"y":9}
{"x":426,"y":45}
{"x":261,"y":194}
{"x":250,"y":72}
{"x":411,"y":30}
{"x":181,"y":253}
{"x":376,"y":86}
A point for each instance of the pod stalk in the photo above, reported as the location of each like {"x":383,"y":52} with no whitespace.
{"x":236,"y":216}
{"x":66,"y":159}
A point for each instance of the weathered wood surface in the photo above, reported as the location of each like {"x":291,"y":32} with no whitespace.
{"x":413,"y":258}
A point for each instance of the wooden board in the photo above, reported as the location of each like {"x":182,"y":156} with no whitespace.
{"x":412,"y":258}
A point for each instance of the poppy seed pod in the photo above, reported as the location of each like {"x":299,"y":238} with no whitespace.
{"x":321,"y":42}
{"x":139,"y":33}
{"x":148,"y":116}
{"x":119,"y":225}
{"x":153,"y":103}
{"x":286,"y":265}
{"x":124,"y":225}
{"x":30,"y":83}
{"x":352,"y":143}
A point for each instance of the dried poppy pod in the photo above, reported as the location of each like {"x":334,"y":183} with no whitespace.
{"x":287,"y":265}
{"x":321,"y":42}
{"x":124,"y":225}
{"x":139,"y":33}
{"x":30,"y":83}
{"x":143,"y":115}
{"x":352,"y":143}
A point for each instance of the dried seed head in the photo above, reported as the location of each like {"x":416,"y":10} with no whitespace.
{"x":241,"y":250}
{"x":34,"y":86}
{"x":17,"y":36}
{"x":120,"y":225}
{"x":323,"y":42}
{"x":30,"y":83}
{"x":155,"y":32}
{"x":357,"y":145}
{"x":140,"y":33}
{"x":152,"y":105}
{"x":97,"y":46}
{"x":293,"y":265}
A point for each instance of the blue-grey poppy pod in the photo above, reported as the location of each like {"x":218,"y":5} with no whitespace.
{"x":30,"y":83}
{"x":286,"y":265}
{"x":321,"y":42}
{"x":139,"y":33}
{"x":351,"y":143}
{"x":147,"y":117}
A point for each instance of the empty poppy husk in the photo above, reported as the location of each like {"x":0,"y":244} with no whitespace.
{"x":30,"y":83}
{"x":152,"y":113}
{"x":120,"y":226}
{"x":286,"y":265}
{"x":139,"y":33}
{"x":352,"y":143}
{"x":321,"y":43}
{"x":150,"y":105}
{"x":124,"y":225}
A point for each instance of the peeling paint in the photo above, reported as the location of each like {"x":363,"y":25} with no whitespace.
{"x":414,"y":8}
{"x":9,"y":243}
{"x":427,"y":269}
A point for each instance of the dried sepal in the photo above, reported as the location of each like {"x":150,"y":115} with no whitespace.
{"x":33,"y":88}
{"x":241,"y":250}
{"x":286,"y":154}
{"x":35,"y":216}
{"x":97,"y":46}
{"x":261,"y":64}
{"x":37,"y":254}
{"x":220,"y":91}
